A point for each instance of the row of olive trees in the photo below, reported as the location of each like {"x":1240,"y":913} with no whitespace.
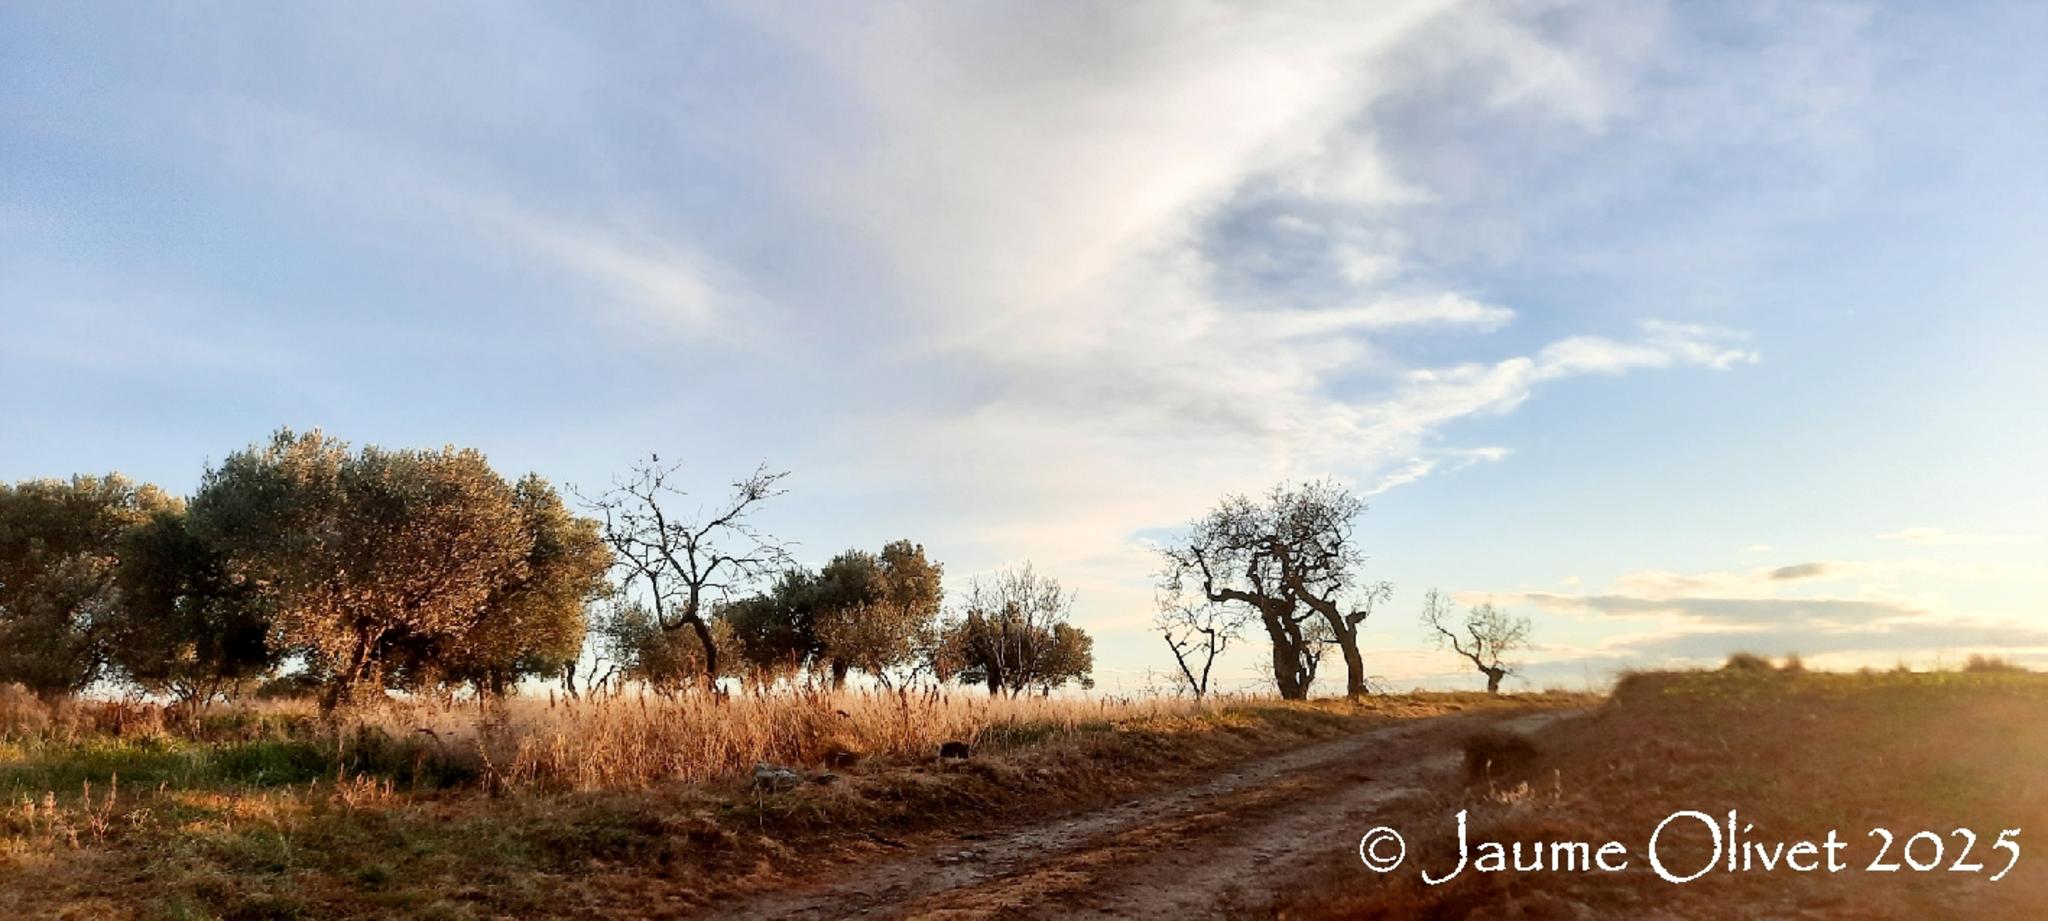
{"x":687,"y":568}
{"x":362,"y":571}
{"x":879,"y":615}
{"x":1291,"y":563}
{"x":367,"y":569}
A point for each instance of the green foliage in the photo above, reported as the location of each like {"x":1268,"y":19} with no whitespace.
{"x":881,"y":611}
{"x":775,"y":632}
{"x":1015,"y":635}
{"x":401,"y":566}
{"x":185,"y":626}
{"x":532,"y":623}
{"x":874,"y":613}
{"x":59,"y":547}
{"x":1979,"y":662}
{"x":150,"y":761}
{"x":667,"y":660}
{"x":1747,"y":662}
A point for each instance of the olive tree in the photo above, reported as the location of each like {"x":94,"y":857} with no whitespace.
{"x":870,"y":612}
{"x":365,"y":555}
{"x":882,"y":611}
{"x":1013,"y":634}
{"x":1293,"y":560}
{"x":186,"y":626}
{"x":1485,"y":635}
{"x":60,"y":547}
{"x":666,"y":661}
{"x":532,"y":623}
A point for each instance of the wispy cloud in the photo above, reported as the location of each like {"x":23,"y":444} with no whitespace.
{"x":1661,"y":617}
{"x":1073,"y":219}
{"x":1447,"y":310}
{"x":1939,"y":537}
{"x":648,"y":280}
{"x":1798,"y":571}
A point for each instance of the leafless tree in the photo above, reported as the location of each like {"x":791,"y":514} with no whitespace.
{"x":1485,"y":635}
{"x":1197,"y":633}
{"x":686,"y":561}
{"x":1291,"y":558}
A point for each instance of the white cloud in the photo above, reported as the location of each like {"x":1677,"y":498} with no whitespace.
{"x":1446,"y":309}
{"x":645,"y":279}
{"x":1851,"y":610}
{"x":1939,"y":537}
{"x":1414,"y":470}
{"x":1663,"y":345}
{"x":1046,"y":209}
{"x":1054,"y":358}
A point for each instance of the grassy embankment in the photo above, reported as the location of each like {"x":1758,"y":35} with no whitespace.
{"x":1796,"y":753}
{"x":628,"y":805}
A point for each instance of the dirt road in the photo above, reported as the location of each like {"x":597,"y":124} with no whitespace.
{"x":1192,"y":852}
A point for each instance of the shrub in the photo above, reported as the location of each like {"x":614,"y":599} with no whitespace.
{"x":1983,"y":663}
{"x":1747,"y":662}
{"x":1492,"y":753}
{"x":22,"y":713}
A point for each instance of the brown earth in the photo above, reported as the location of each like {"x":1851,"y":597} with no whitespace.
{"x":1224,"y":846}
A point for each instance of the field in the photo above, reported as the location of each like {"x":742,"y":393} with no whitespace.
{"x":629,"y":806}
{"x":1796,"y":754}
{"x":1164,"y":808}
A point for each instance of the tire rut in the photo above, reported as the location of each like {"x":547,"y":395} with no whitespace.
{"x":1189,"y":852}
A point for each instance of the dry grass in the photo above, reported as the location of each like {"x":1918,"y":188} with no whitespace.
{"x":619,"y":742}
{"x":632,"y":742}
{"x":1797,"y":753}
{"x":624,"y":806}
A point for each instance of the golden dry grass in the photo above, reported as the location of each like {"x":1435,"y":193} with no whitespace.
{"x":557,"y":808}
{"x":614,"y":742}
{"x":1797,"y":753}
{"x":633,"y":741}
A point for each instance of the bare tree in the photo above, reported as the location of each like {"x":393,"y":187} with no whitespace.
{"x":1486,"y":635}
{"x":688,"y":560}
{"x":1292,"y":559}
{"x":1197,"y":633}
{"x":607,"y":647}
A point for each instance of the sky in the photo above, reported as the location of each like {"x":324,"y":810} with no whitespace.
{"x":1681,"y":329}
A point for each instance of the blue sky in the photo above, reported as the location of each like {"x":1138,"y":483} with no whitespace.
{"x":1618,"y":309}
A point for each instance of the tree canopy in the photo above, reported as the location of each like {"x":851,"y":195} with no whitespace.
{"x":1014,"y":634}
{"x":185,"y":625}
{"x":60,"y":544}
{"x":869,"y":612}
{"x":400,"y":566}
{"x":1293,"y":560}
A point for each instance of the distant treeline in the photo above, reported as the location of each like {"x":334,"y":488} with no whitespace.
{"x":302,"y":566}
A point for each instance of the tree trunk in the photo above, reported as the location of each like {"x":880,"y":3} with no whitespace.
{"x":1354,"y":665}
{"x":1287,"y":669}
{"x":839,"y":670}
{"x":710,"y":651}
{"x":343,"y":688}
{"x":1493,"y":677}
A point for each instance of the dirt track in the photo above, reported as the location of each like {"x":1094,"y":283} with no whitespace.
{"x":1192,"y":852}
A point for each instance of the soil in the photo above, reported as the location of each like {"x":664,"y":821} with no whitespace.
{"x":1221,"y":848}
